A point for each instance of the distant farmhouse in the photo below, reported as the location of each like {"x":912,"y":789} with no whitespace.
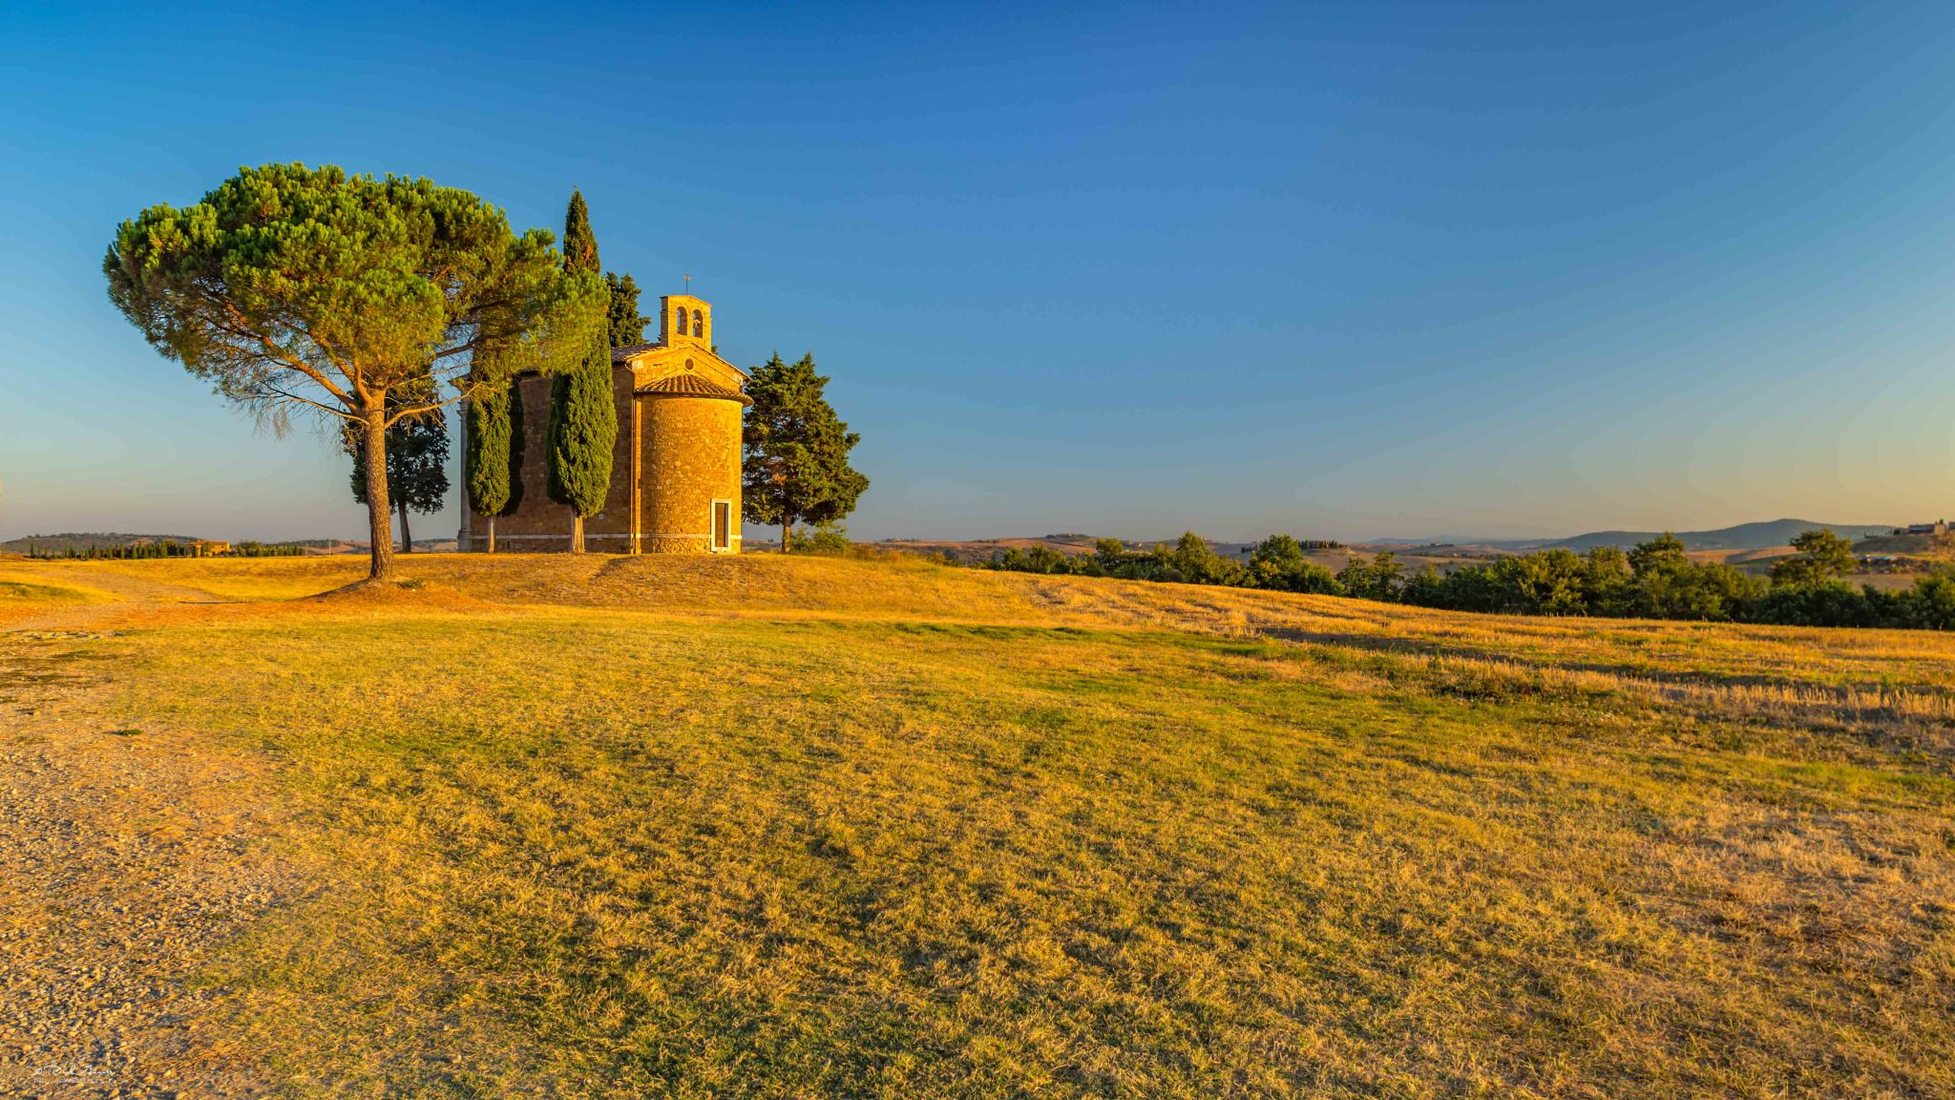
{"x":1938,"y":527}
{"x":675,"y":477}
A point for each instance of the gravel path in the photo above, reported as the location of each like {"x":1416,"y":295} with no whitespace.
{"x":128,"y":858}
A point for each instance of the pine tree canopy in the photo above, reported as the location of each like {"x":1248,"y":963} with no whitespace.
{"x":796,"y":468}
{"x":294,"y":288}
{"x":307,"y":289}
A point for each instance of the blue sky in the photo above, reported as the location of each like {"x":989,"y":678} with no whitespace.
{"x":1341,"y":269}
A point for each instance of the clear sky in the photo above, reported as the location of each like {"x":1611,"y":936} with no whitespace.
{"x":1356,"y":269}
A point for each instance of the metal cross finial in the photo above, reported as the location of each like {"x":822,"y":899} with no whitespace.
{"x":688,"y":280}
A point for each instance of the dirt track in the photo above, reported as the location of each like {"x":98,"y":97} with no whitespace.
{"x":130,"y":856}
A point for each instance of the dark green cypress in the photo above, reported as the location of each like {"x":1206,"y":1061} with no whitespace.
{"x":579,"y":243}
{"x":627,"y":324}
{"x":515,"y":447}
{"x":583,"y":409}
{"x":494,"y":462}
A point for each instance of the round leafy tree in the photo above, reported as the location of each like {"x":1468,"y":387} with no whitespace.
{"x":417,"y":468}
{"x":796,"y":468}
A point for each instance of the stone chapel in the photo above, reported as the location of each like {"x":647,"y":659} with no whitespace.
{"x":675,"y":477}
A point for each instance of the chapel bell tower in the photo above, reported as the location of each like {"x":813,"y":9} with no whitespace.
{"x":684,"y":319}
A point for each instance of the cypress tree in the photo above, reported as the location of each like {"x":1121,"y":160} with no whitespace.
{"x":579,"y":243}
{"x":494,"y":462}
{"x":583,"y":410}
{"x":627,"y":324}
{"x":515,"y":448}
{"x":797,"y":450}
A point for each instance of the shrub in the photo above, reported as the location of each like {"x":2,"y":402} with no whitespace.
{"x":1826,"y":603}
{"x":1277,"y":562}
{"x":1929,"y":605}
{"x":1380,"y":578}
{"x":823,"y":538}
{"x":1193,"y":560}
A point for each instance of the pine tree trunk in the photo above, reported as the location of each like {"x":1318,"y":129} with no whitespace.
{"x":576,"y":533}
{"x":407,"y":536}
{"x":492,"y":534}
{"x":379,"y":510}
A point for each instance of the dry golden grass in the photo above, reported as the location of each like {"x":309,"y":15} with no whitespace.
{"x":774,"y":827}
{"x":223,"y":578}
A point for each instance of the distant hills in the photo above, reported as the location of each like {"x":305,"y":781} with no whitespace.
{"x":1744,"y":536}
{"x":83,"y":541}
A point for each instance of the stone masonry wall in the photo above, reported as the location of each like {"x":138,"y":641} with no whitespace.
{"x":540,"y":523}
{"x":692,"y":458}
{"x":689,"y":456}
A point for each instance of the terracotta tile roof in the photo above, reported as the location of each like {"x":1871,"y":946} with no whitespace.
{"x":619,"y":355}
{"x":691,"y":385}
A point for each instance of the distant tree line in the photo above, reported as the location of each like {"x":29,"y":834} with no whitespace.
{"x":1654,"y":579}
{"x":266,"y":550}
{"x":168,"y":548}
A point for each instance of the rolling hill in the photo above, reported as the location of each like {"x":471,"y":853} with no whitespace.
{"x":1926,"y":547}
{"x":81,"y":541}
{"x":590,"y":826}
{"x":1744,"y":536}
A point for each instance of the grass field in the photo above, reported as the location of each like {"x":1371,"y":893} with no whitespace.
{"x":810,"y":828}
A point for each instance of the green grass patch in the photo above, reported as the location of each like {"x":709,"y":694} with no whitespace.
{"x":20,"y":590}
